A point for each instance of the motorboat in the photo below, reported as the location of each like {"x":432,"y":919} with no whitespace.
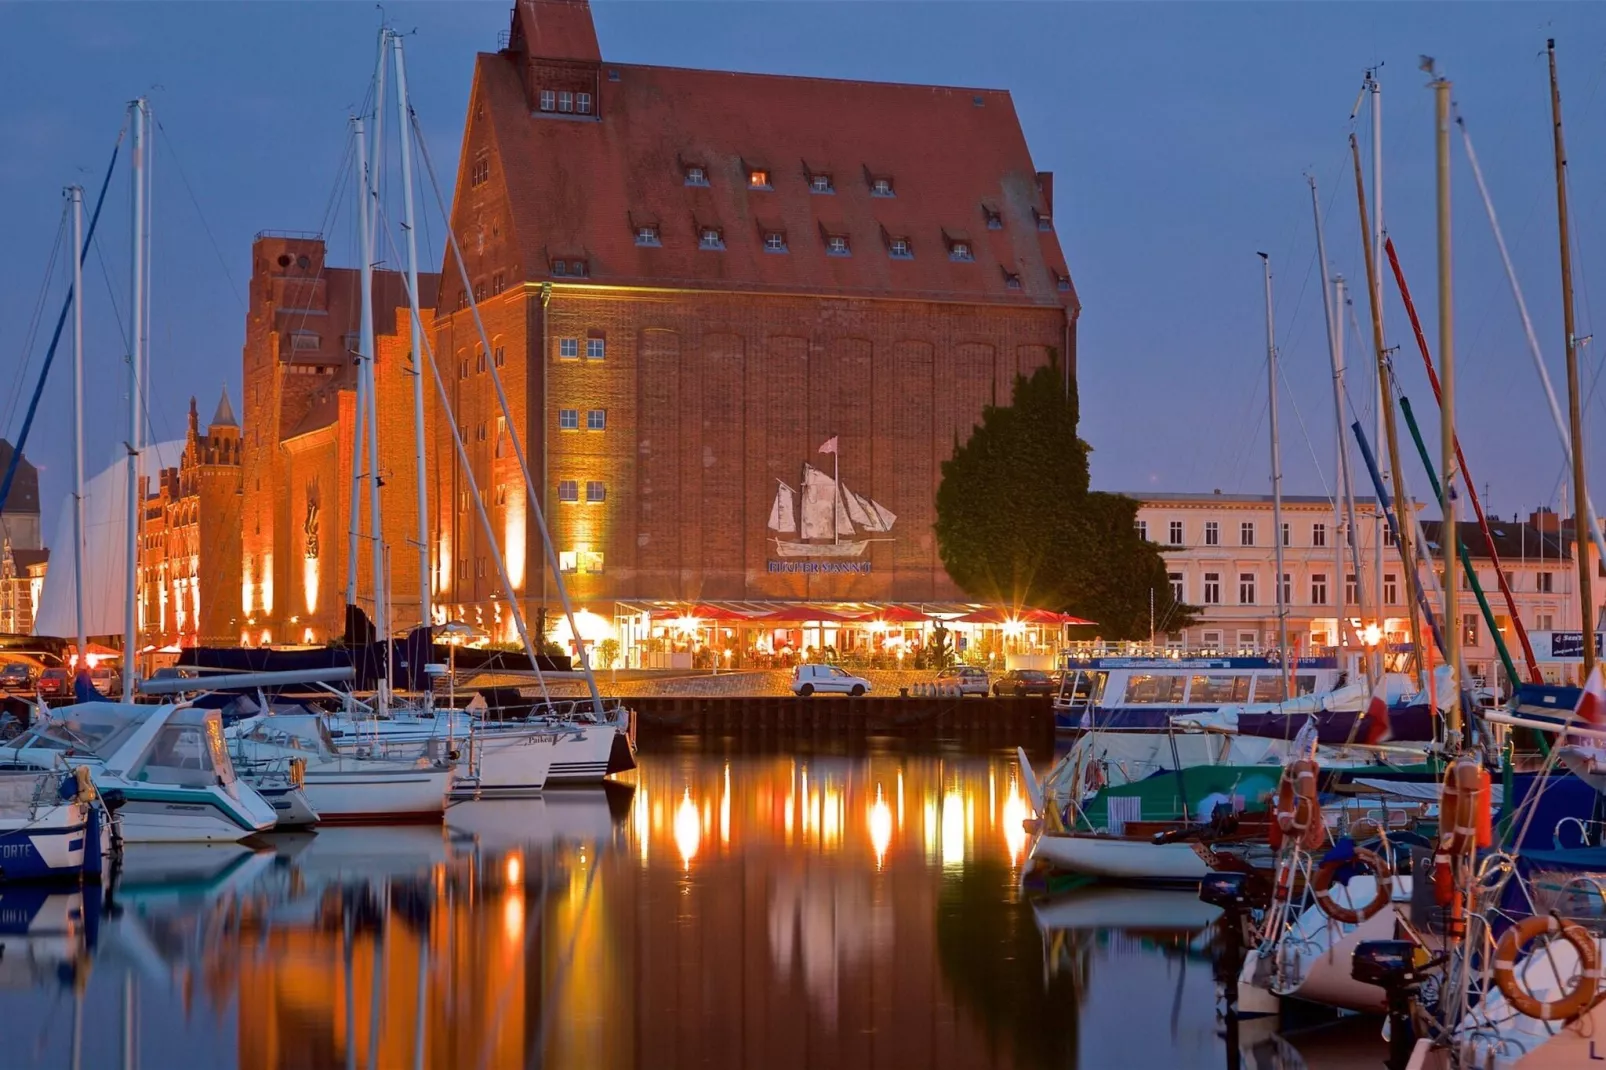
{"x":52,"y":827}
{"x":168,"y":763}
{"x":338,"y":786}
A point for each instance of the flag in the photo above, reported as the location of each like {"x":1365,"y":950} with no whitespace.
{"x":1591,"y":708}
{"x":1375,"y":727}
{"x":830,"y":446}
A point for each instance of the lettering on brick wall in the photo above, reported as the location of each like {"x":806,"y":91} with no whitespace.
{"x":859,"y":568}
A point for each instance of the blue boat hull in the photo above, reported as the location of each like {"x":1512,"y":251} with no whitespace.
{"x":59,"y":853}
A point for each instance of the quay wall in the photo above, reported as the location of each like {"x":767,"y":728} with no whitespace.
{"x":1003,"y":722}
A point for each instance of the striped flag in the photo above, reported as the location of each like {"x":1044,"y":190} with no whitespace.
{"x":830,"y":446}
{"x":1591,"y":708}
{"x":1375,"y":727}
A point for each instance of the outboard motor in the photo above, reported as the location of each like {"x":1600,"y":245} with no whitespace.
{"x":1398,"y":967}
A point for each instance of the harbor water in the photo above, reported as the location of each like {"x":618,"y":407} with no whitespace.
{"x":716,"y":908}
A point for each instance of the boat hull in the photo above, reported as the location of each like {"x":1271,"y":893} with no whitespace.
{"x":52,"y":845}
{"x":194,"y":817}
{"x":390,"y":794}
{"x":1115,"y":858}
{"x":290,"y":803}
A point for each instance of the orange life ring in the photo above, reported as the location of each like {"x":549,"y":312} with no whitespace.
{"x":1297,"y":811}
{"x":1574,"y":1002}
{"x":1322,"y":884}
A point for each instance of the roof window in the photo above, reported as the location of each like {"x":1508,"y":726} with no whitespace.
{"x":881,"y":186}
{"x":1044,"y":222}
{"x":775,"y":241}
{"x":758,"y":178}
{"x":900,"y":249}
{"x":1062,"y":282}
{"x":582,"y":103}
{"x":574,"y":268}
{"x":710,"y":238}
{"x":1011,"y":280}
{"x":565,"y":100}
{"x":959,"y":249}
{"x":837,"y":245}
{"x":647,"y":234}
{"x":549,"y":100}
{"x":995,"y":219}
{"x":820,"y":183}
{"x":696,"y":176}
{"x":613,"y":74}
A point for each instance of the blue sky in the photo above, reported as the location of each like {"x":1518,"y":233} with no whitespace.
{"x":1180,"y":136}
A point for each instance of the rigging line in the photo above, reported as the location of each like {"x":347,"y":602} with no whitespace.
{"x":32,"y":334}
{"x":1288,"y":387}
{"x":111,"y":292}
{"x":167,"y":140}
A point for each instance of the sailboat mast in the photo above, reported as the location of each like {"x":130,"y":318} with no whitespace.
{"x":1405,"y":525}
{"x":77,"y":195}
{"x":1276,"y":482}
{"x":1447,"y":461}
{"x":1374,"y":89}
{"x":1581,"y":504}
{"x":375,"y":514}
{"x":403,"y":108}
{"x":364,"y":349}
{"x":136,"y":332}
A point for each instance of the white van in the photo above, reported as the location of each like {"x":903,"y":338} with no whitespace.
{"x":807,"y":679}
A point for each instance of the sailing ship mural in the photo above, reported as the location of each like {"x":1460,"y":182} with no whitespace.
{"x":836,"y":521}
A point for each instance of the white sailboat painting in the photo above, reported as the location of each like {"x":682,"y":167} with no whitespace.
{"x":834,"y":519}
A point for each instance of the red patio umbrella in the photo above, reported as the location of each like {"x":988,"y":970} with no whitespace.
{"x":989,"y":615}
{"x":1048,"y":616}
{"x":806,"y":615}
{"x":704,"y":611}
{"x":899,"y":615}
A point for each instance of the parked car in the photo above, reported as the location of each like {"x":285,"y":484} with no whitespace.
{"x":969,"y":679}
{"x":1022,"y":682}
{"x":16,"y":676}
{"x":55,"y":682}
{"x":827,"y":679}
{"x":107,"y":680}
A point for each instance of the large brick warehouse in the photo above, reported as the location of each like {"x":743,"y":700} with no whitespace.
{"x":692,"y":281}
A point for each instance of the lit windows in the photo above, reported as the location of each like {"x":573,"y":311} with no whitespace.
{"x":820,"y":183}
{"x":592,"y":562}
{"x":501,"y":494}
{"x":565,"y":101}
{"x":775,"y":241}
{"x":567,"y":561}
{"x":881,"y":187}
{"x":569,"y":348}
{"x":596,"y":419}
{"x":596,"y":491}
{"x":710,"y":238}
{"x":647,"y":234}
{"x":696,"y":176}
{"x":548,"y":102}
{"x":837,"y":245}
{"x":568,"y":490}
{"x":596,"y":348}
{"x":758,"y":178}
{"x":569,"y":419}
{"x":900,"y":249}
{"x":582,"y":103}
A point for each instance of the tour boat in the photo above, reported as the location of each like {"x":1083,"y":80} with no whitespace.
{"x":1148,"y":691}
{"x":339,"y":786}
{"x":51,"y":826}
{"x":168,"y":763}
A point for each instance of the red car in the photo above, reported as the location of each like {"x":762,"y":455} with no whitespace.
{"x":55,"y":683}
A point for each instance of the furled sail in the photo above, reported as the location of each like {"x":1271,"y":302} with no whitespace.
{"x":819,"y":504}
{"x":783,"y":513}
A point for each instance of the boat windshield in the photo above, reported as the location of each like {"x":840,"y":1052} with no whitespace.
{"x":187,"y":751}
{"x":296,"y":731}
{"x":82,"y":728}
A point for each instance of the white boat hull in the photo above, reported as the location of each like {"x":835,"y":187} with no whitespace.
{"x":200,"y":818}
{"x":1113,"y":858}
{"x":1500,"y":1038}
{"x":377,"y":791}
{"x":508,"y":763}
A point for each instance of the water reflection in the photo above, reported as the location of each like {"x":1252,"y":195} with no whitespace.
{"x":720,"y":910}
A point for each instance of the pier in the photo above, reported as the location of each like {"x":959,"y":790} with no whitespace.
{"x":1006,"y":721}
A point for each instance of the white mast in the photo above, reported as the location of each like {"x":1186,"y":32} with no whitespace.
{"x":375,"y":517}
{"x":364,"y":350}
{"x":77,"y":195}
{"x":1379,"y":521}
{"x":137,"y":332}
{"x":1276,"y":484}
{"x":403,"y":107}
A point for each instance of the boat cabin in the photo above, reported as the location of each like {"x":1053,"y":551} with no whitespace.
{"x":1146,"y":692}
{"x":184,"y":748}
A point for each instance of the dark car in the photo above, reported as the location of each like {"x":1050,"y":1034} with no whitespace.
{"x":55,"y":683}
{"x":16,"y":676}
{"x":1023,"y":682}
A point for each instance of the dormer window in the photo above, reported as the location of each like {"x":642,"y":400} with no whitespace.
{"x":820,"y":183}
{"x":758,"y":178}
{"x":1062,"y":283}
{"x":837,"y":245}
{"x":582,"y":103}
{"x":881,"y":187}
{"x":775,"y":241}
{"x":549,"y":100}
{"x":995,"y":219}
{"x":560,"y":267}
{"x":565,"y":101}
{"x":696,"y":176}
{"x":647,"y":234}
{"x":578,"y":269}
{"x":900,"y":249}
{"x":1011,"y":280}
{"x":960,"y":250}
{"x":1044,"y":222}
{"x":710,"y":238}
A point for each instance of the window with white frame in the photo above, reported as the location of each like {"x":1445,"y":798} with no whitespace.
{"x":568,"y":490}
{"x":596,"y":491}
{"x":1545,"y":582}
{"x":1391,"y":589}
{"x":596,"y":419}
{"x":1288,"y":589}
{"x":900,"y":249}
{"x":549,"y":100}
{"x":1545,"y":621}
{"x":775,"y":241}
{"x":696,"y":176}
{"x":647,"y":234}
{"x":1352,"y":589}
{"x":1246,"y":588}
{"x":710,"y":238}
{"x":821,"y":183}
{"x":1176,"y":585}
{"x":1318,"y":534}
{"x":1142,"y":528}
{"x":582,"y":103}
{"x":837,"y":245}
{"x":596,"y":348}
{"x":1246,"y":533}
{"x":565,"y":100}
{"x":1212,"y":588}
{"x":1318,"y":588}
{"x":1175,"y":533}
{"x":568,"y":348}
{"x":567,"y":560}
{"x":1212,"y":533}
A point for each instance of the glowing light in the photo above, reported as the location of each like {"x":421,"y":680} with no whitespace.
{"x":513,"y":916}
{"x":1014,"y":627}
{"x":1015,"y":814}
{"x":1373,"y":635}
{"x":266,"y":638}
{"x":513,"y":869}
{"x":267,"y":584}
{"x":641,"y":819}
{"x":725,"y":809}
{"x":309,"y":583}
{"x":953,"y":829}
{"x":443,"y":568}
{"x":306,"y":636}
{"x":688,"y":829}
{"x":247,"y":590}
{"x":880,"y":827}
{"x":513,"y":540}
{"x":687,"y":625}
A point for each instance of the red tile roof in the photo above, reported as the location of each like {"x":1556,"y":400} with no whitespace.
{"x":585,"y":183}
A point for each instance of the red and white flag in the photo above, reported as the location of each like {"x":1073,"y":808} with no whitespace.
{"x":1375,"y":727}
{"x":1591,"y":708}
{"x":830,"y":446}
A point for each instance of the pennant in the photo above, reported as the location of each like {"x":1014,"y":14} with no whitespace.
{"x":1591,"y":708}
{"x":830,"y":446}
{"x":1375,"y":726}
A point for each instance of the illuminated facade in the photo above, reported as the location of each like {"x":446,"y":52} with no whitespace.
{"x":22,"y":579}
{"x":189,"y":556}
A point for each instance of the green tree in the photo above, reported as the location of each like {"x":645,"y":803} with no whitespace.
{"x":1018,"y":526}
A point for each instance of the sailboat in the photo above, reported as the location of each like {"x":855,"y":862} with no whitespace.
{"x":832,"y":516}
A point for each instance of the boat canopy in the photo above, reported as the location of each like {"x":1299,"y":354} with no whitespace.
{"x":304,"y":732}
